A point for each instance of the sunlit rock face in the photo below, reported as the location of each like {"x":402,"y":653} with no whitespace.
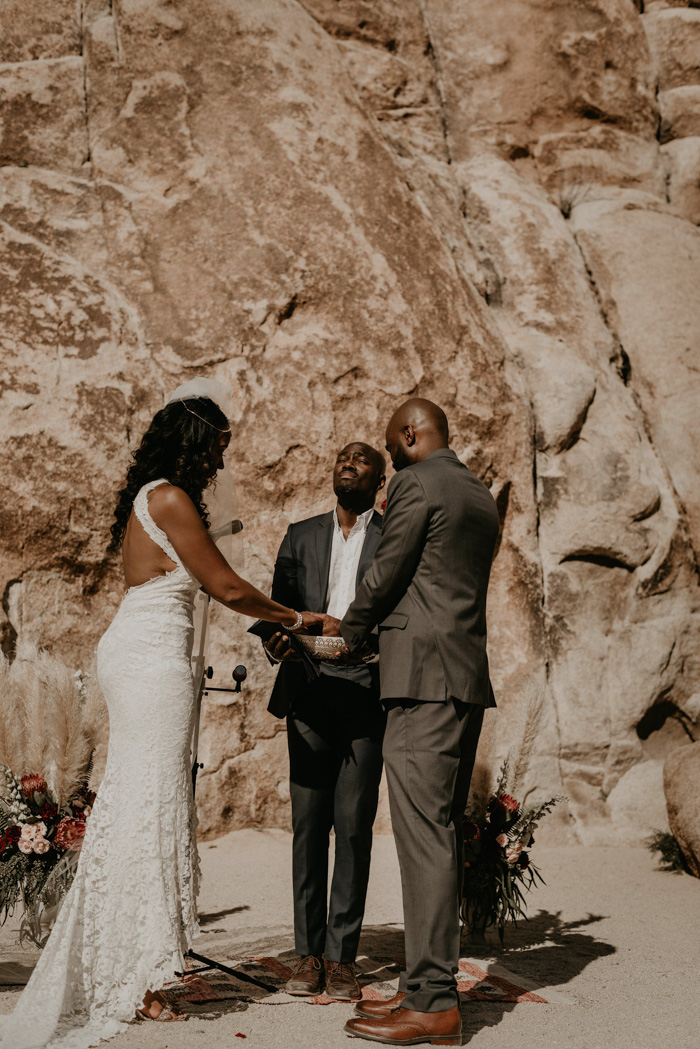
{"x":332,"y":206}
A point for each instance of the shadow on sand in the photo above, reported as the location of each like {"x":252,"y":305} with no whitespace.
{"x":215,"y":916}
{"x":546,"y":951}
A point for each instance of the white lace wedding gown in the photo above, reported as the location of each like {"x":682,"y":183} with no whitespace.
{"x":130,"y":914}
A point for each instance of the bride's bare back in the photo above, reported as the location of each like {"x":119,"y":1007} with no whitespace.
{"x":142,"y":558}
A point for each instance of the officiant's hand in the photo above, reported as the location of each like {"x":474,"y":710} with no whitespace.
{"x":280,"y":649}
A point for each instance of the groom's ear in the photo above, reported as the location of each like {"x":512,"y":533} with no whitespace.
{"x":382,"y":482}
{"x":410,"y":435}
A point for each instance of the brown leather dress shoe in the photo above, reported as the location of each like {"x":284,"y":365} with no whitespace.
{"x":308,"y":977}
{"x":341,"y":982}
{"x":369,"y":1008}
{"x":407,"y":1027}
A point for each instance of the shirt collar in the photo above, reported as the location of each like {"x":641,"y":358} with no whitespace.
{"x":361,"y":524}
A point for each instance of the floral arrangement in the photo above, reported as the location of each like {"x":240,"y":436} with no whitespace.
{"x":52,"y":720}
{"x":498,"y":835}
{"x":36,"y":835}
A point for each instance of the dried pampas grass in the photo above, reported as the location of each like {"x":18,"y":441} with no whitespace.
{"x":513,"y":772}
{"x":482,"y":782}
{"x":51,"y":719}
{"x":525,"y":735}
{"x":11,"y":717}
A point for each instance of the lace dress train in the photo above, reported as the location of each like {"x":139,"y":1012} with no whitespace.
{"x":130,"y":914}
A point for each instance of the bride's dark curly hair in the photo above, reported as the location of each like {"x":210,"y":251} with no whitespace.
{"x":178,"y":446}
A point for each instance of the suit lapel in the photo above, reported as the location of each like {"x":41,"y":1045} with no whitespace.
{"x":324,"y":540}
{"x":369,"y":547}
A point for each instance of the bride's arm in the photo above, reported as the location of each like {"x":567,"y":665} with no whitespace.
{"x":174,"y":512}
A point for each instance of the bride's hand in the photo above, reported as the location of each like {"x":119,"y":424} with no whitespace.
{"x":313,"y":622}
{"x":320,"y":623}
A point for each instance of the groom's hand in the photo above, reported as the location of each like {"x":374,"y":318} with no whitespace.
{"x":314,"y":622}
{"x":331,"y":626}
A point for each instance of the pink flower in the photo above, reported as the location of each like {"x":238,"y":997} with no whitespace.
{"x":513,"y":852}
{"x":32,"y":839}
{"x":502,"y":840}
{"x":31,"y":783}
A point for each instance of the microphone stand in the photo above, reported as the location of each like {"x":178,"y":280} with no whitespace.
{"x":239,"y":675}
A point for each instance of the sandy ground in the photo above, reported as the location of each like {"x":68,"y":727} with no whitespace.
{"x":618,"y":940}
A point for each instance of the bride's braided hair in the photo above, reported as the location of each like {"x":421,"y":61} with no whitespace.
{"x":180,"y":446}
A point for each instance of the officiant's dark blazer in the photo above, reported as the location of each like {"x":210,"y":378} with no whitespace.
{"x":426,"y":589}
{"x":301,"y":581}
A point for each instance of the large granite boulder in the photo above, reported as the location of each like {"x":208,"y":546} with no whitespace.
{"x":331,"y":207}
{"x":682,"y":786}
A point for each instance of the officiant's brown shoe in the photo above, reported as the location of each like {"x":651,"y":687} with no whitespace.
{"x":373,"y":1009}
{"x":308,"y":977}
{"x":341,"y":982}
{"x":407,"y":1027}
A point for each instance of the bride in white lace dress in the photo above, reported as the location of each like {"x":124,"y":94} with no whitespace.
{"x":130,"y":915}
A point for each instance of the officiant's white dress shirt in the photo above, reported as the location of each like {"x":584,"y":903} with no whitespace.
{"x":345,"y":560}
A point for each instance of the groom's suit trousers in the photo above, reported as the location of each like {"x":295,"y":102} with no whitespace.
{"x":429,"y":752}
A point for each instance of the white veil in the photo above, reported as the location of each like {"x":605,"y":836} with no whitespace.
{"x":222,"y":506}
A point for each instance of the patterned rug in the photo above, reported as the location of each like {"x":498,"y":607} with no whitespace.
{"x":480,"y":980}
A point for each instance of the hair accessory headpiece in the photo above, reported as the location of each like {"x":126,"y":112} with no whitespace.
{"x":202,"y":419}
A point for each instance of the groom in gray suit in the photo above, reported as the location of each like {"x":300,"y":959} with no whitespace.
{"x":426,"y":592}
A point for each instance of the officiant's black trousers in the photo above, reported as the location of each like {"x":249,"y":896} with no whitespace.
{"x":429,"y":752}
{"x":335,"y":736}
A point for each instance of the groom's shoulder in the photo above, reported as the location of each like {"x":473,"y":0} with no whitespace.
{"x":442,"y":475}
{"x":417,"y":475}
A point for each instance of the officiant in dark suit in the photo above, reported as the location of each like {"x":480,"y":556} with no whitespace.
{"x":335,"y":728}
{"x":426,"y":592}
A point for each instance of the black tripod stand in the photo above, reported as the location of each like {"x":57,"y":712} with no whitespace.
{"x":239,"y":675}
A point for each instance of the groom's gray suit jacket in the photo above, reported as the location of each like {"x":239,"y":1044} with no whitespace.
{"x":426,"y":588}
{"x":301,"y":581}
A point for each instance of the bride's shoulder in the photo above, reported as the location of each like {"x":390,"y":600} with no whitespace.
{"x":167,"y":501}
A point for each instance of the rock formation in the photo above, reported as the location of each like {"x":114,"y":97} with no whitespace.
{"x":682,"y":785}
{"x":330,"y":206}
